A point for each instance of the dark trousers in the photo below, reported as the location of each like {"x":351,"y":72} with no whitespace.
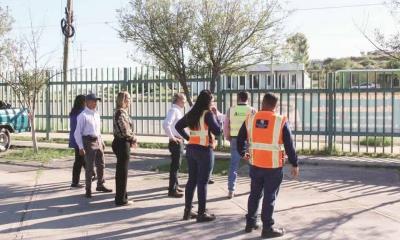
{"x":121,"y":148}
{"x":267,"y":181}
{"x":175,"y":150}
{"x":94,"y":157}
{"x":76,"y":169}
{"x":199,"y":167}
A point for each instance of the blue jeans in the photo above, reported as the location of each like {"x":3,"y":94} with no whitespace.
{"x":267,"y":181}
{"x":233,"y":165}
{"x":199,"y":161}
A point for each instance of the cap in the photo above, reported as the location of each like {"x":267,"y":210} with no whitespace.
{"x":92,"y":96}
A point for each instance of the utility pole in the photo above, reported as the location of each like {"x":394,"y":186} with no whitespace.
{"x":68,"y":32}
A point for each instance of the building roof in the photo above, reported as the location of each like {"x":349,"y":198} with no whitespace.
{"x":276,"y":67}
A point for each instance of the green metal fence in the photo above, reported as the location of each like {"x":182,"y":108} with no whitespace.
{"x":350,"y":111}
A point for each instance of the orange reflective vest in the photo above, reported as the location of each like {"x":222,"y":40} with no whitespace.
{"x":264,"y":135}
{"x":201,"y":136}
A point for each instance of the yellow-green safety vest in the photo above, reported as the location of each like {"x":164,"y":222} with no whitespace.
{"x":237,"y":115}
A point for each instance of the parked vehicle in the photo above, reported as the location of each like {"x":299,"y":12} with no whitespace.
{"x":12,"y":120}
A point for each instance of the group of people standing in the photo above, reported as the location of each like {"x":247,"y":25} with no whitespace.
{"x":262,"y":138}
{"x":86,"y":139}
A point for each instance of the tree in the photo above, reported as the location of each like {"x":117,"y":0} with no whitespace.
{"x":5,"y":27}
{"x":389,"y":45}
{"x":233,"y":34}
{"x":28,"y":75}
{"x":161,"y":29}
{"x":393,"y":64}
{"x":187,"y":37}
{"x":297,"y":47}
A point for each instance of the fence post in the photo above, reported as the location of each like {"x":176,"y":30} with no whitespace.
{"x":48,"y":127}
{"x":331,"y":79}
{"x":219,"y":104}
{"x":126,"y":79}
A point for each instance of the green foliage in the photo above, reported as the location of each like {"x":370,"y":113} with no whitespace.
{"x":393,"y":64}
{"x":44,"y":156}
{"x":5,"y":27}
{"x":298,"y":48}
{"x":376,"y":142}
{"x":185,"y":37}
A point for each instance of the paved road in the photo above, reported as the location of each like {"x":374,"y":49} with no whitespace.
{"x":329,"y":202}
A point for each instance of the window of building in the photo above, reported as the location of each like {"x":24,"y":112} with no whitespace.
{"x":284,"y":81}
{"x":269,"y":81}
{"x":256,"y":81}
{"x":294,"y":80}
{"x":242,"y":81}
{"x":279,"y":83}
{"x":228,"y":82}
{"x":396,"y":81}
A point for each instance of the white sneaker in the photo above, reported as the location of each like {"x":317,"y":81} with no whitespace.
{"x":231,"y":194}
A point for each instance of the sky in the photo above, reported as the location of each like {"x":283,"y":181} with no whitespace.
{"x":330,"y":27}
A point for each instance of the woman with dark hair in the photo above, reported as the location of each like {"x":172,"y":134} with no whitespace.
{"x":204,"y":126}
{"x":79,"y":106}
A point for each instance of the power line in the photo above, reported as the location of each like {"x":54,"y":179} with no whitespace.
{"x":57,"y":26}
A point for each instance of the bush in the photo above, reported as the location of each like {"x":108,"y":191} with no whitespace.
{"x":376,"y":142}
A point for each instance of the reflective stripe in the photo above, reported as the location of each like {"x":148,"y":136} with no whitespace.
{"x":202,"y":133}
{"x":266,"y":147}
{"x":275,"y":140}
{"x":250,"y":136}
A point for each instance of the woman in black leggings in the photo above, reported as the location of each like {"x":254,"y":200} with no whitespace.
{"x":124,"y":140}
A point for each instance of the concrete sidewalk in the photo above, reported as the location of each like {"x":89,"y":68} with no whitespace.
{"x":327,"y":203}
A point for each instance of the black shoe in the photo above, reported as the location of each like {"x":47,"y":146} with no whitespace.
{"x":88,"y":194}
{"x":76,"y":185}
{"x":102,"y":188}
{"x":180,"y":190}
{"x":175,"y":194}
{"x":210,"y":181}
{"x":189,"y":214}
{"x":250,"y":227}
{"x":205,"y":217}
{"x":272,"y":233}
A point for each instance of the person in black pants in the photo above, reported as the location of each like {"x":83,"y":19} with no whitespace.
{"x":175,"y":144}
{"x":124,"y":140}
{"x":203,"y":124}
{"x":79,"y":105}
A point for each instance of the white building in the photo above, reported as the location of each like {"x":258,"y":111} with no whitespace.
{"x":260,"y":76}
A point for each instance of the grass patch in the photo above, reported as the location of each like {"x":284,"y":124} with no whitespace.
{"x":108,"y":143}
{"x":43,"y":156}
{"x":376,"y":142}
{"x":41,"y":139}
{"x":324,"y":151}
{"x":153,"y":145}
{"x":337,"y":153}
{"x":221,"y":166}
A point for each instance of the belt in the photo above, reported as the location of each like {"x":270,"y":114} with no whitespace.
{"x":91,"y":138}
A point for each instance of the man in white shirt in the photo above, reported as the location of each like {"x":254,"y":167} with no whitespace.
{"x":175,"y":145}
{"x":88,"y":138}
